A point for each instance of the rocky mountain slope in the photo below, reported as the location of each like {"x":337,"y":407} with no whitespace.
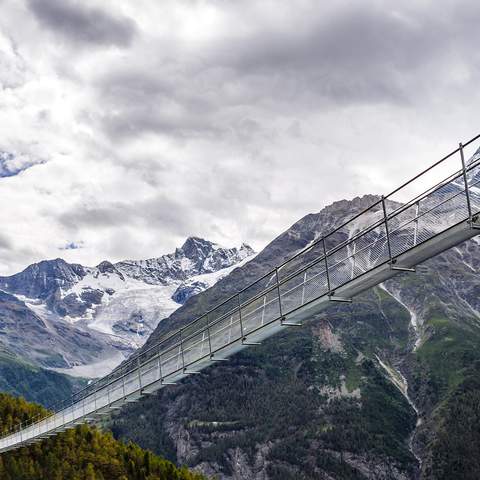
{"x":85,"y":320}
{"x":385,"y":388}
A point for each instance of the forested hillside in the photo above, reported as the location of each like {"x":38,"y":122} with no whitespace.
{"x":36,"y":384}
{"x":81,"y":454}
{"x":307,"y":404}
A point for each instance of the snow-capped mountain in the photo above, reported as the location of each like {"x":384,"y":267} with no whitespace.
{"x":195,"y":257}
{"x":114,"y":307}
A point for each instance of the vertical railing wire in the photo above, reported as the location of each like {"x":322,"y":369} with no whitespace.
{"x":209,"y":337}
{"x":181,"y":350}
{"x":264,"y":308}
{"x":415,"y":229}
{"x":160,"y":373}
{"x":465,"y":179}
{"x":230,"y":329}
{"x":139,"y":368}
{"x":277,"y":278}
{"x":242,"y":331}
{"x":329,"y":287}
{"x":354,"y":257}
{"x":387,"y":230}
{"x":303,"y":287}
{"x":108,"y":395}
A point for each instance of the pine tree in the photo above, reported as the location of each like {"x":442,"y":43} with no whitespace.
{"x":90,"y":472}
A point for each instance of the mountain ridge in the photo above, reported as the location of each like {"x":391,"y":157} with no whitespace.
{"x":113,"y":307}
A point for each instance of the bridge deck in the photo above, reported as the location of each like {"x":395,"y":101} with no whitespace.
{"x":389,"y":237}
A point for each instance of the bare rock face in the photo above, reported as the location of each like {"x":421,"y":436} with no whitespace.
{"x":188,"y":289}
{"x":41,"y":280}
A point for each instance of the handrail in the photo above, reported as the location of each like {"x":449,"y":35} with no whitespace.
{"x":133,"y":363}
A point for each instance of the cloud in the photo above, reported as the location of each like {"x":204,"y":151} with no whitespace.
{"x":158,"y":212}
{"x":227,"y":120}
{"x":340,"y":58}
{"x":5,"y":243}
{"x":12,"y":65}
{"x":84,"y":25}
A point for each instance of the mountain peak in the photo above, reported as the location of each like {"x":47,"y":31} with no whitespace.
{"x":196,"y":247}
{"x":246,"y":250}
{"x":41,"y":279}
{"x":106,"y":267}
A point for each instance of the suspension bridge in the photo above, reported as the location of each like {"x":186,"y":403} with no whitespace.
{"x":434,"y":211}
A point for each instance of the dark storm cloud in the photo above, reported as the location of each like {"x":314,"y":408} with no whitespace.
{"x":82,"y":24}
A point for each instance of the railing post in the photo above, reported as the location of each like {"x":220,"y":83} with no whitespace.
{"x":242,"y":331}
{"x":139,"y":368}
{"x":326,"y":267}
{"x":354,"y":259}
{"x":415,"y":231}
{"x":160,"y":365}
{"x":467,"y":190}
{"x":209,"y":340}
{"x":387,"y":230}
{"x":277,"y":278}
{"x":230,"y":330}
{"x":240,"y":317}
{"x":181,"y":350}
{"x":108,"y":395}
{"x":123,"y":384}
{"x":264,"y":308}
{"x":71,"y":407}
{"x":303,"y":286}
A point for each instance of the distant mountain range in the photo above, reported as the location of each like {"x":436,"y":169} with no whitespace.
{"x":85,"y":320}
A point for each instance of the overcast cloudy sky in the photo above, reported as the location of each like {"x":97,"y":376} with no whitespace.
{"x":126,"y":126}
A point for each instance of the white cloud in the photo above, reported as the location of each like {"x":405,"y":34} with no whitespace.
{"x":228,"y":120}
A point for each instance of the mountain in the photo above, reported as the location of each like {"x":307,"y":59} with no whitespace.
{"x":195,"y":257}
{"x":384,"y":388}
{"x":85,"y":320}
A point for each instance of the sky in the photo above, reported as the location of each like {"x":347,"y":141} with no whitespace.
{"x":126,"y":127}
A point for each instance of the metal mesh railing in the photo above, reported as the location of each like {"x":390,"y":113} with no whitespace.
{"x":375,"y":236}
